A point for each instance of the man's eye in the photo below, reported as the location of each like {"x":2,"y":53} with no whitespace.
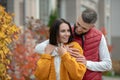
{"x":78,"y":24}
{"x":84,"y":28}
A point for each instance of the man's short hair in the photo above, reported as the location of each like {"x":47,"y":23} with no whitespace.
{"x":89,"y":16}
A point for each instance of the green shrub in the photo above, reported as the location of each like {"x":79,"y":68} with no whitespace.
{"x":53,"y":16}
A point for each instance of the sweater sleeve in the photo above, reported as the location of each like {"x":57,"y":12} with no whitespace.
{"x":43,"y":67}
{"x":75,"y":69}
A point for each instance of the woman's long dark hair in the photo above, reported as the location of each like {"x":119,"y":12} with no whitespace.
{"x":54,"y":31}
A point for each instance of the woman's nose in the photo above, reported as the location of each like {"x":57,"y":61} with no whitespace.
{"x":68,"y":33}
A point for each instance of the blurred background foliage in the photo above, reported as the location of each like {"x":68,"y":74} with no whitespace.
{"x":52,"y":17}
{"x":24,"y":58}
{"x":17,"y":57}
{"x":8,"y":34}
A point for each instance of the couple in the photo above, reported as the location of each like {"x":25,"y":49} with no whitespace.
{"x":62,"y":55}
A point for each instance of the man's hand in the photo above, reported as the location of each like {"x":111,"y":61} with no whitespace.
{"x":79,"y":58}
{"x":76,"y":54}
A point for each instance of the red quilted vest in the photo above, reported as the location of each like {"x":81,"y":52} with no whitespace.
{"x":91,"y":51}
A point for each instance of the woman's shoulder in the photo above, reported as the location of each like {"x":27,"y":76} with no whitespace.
{"x":75,"y":43}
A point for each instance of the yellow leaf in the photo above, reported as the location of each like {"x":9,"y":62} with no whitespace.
{"x":7,"y":61}
{"x":2,"y":69}
{"x":8,"y":40}
{"x":1,"y":53}
{"x":2,"y":35}
{"x":5,"y":49}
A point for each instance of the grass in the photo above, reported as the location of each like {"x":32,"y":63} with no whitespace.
{"x":111,"y":74}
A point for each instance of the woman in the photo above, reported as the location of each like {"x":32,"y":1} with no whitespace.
{"x":55,"y":62}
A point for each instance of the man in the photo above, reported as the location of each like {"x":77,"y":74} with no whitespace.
{"x":94,"y":46}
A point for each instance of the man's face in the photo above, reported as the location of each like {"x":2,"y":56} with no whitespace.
{"x":82,"y":27}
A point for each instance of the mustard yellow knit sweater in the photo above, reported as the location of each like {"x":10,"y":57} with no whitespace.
{"x":70,"y":69}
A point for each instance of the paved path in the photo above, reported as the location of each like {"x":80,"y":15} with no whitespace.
{"x":110,"y":78}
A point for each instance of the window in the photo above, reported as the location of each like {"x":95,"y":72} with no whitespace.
{"x":44,"y":10}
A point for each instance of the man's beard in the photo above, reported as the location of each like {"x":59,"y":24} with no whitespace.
{"x":77,"y":34}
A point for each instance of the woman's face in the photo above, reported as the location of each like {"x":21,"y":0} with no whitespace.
{"x":64,"y":33}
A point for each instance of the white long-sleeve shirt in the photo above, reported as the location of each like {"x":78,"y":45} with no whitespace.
{"x":105,"y":63}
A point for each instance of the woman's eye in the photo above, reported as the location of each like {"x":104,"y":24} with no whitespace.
{"x":68,"y":30}
{"x":62,"y":31}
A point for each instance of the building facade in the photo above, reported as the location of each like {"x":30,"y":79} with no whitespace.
{"x":107,"y":10}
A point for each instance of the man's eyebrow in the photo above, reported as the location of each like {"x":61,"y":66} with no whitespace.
{"x":78,"y":24}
